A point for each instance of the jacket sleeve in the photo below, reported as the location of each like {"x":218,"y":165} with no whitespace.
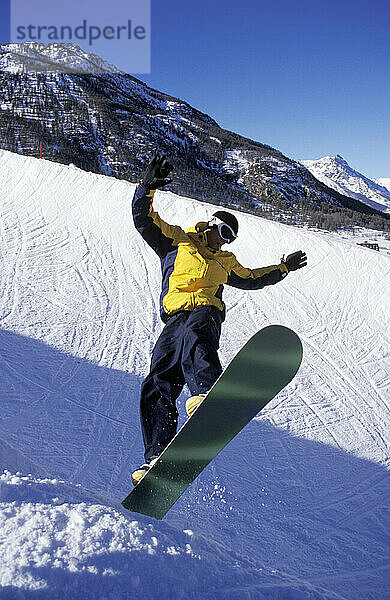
{"x":160,"y":236}
{"x":255,"y":279}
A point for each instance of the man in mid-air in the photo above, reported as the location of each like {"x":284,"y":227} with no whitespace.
{"x":194,"y":270}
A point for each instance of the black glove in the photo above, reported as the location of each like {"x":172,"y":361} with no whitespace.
{"x":295,"y":261}
{"x":156,"y":174}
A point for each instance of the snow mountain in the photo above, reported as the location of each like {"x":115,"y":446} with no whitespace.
{"x":111,"y":123}
{"x":31,"y":56}
{"x":335,"y":172}
{"x":295,"y":507}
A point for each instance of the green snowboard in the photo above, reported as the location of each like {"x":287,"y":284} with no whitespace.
{"x":261,"y":369}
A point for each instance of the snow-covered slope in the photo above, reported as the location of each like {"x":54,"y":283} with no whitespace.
{"x":336,"y":173}
{"x":32,"y":56}
{"x":384,"y":182}
{"x":296,"y":507}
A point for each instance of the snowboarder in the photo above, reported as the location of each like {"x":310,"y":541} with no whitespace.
{"x":194,"y":271}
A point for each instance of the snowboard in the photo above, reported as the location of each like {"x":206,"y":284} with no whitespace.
{"x":260,"y":370}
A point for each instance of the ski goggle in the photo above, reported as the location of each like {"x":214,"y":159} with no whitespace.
{"x":225,"y":232}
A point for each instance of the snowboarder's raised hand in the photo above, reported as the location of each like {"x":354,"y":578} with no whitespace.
{"x":296,"y":260}
{"x":156,"y":174}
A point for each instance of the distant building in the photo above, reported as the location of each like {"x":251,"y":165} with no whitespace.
{"x":368,"y":245}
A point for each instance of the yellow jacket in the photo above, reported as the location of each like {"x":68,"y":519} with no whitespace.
{"x":193,"y":274}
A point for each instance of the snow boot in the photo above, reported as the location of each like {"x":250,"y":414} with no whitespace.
{"x":193,"y":403}
{"x":139,"y":473}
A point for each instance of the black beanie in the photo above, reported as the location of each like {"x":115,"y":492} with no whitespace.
{"x":227,"y":218}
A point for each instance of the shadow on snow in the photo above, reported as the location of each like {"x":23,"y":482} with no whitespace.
{"x":279,"y":501}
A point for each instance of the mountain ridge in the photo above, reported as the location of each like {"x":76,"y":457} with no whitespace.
{"x":34,"y":56}
{"x":112,"y":123}
{"x":335,"y":172}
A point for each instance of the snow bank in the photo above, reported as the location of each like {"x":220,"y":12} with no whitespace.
{"x":62,"y":543}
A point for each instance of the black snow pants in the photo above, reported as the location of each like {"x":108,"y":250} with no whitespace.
{"x":185,"y":352}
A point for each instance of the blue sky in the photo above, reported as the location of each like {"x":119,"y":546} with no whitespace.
{"x":308,"y":78}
